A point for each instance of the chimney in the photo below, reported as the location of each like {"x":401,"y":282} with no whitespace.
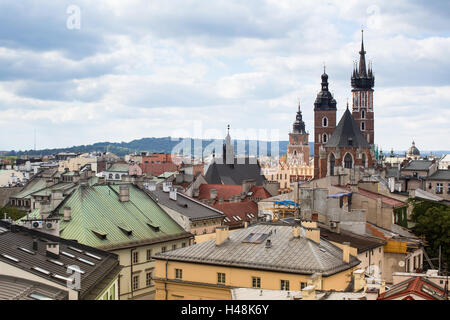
{"x":52,"y":249}
{"x":245,"y":224}
{"x":67,"y":213}
{"x":309,"y":293}
{"x":221,"y":235}
{"x":346,"y":252}
{"x":268,"y":243}
{"x":382,"y":287}
{"x":313,"y":234}
{"x":56,"y":198}
{"x":124,"y":193}
{"x":166,"y":186}
{"x":45,"y":209}
{"x":296,"y":231}
{"x":173,"y":194}
{"x":35,"y":245}
{"x":247,"y":185}
{"x":358,"y":280}
{"x":213,"y":194}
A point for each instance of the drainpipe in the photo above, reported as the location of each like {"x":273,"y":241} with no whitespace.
{"x":165,"y":282}
{"x":131,"y":270}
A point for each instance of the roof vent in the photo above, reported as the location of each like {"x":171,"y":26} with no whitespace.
{"x":268,"y":243}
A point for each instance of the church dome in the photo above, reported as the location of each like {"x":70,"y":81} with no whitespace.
{"x":413,"y":151}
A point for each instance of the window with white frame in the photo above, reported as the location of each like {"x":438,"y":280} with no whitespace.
{"x":439,"y":188}
{"x":324,"y":122}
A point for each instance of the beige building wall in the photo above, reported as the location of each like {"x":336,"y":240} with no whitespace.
{"x":74,"y":164}
{"x":144,"y":266}
{"x":199,"y":281}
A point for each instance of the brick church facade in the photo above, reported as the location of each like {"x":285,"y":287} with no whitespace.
{"x":348,"y":145}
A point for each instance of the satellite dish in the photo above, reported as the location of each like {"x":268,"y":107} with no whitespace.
{"x":401,"y":264}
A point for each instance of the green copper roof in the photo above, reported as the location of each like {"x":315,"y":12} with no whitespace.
{"x":30,"y":188}
{"x":66,"y":187}
{"x":97,"y":213}
{"x":166,"y":174}
{"x":119,"y":167}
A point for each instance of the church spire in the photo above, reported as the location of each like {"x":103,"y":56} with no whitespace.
{"x":362,"y":58}
{"x":299,"y":124}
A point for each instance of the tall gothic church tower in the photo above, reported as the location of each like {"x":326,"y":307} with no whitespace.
{"x":298,"y":147}
{"x":324,"y":120}
{"x":363,"y":82}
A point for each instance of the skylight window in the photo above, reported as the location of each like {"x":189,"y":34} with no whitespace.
{"x":41,"y":270}
{"x":10,"y":258}
{"x":93,"y":256}
{"x":86,"y":261}
{"x":154,"y":228}
{"x":59,"y":263}
{"x":235,"y":218}
{"x":26,"y":250}
{"x":38,"y":296}
{"x":100,"y":235}
{"x":76,"y":249}
{"x":67,"y":254}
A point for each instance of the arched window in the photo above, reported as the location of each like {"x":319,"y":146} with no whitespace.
{"x":110,"y":176}
{"x":363,"y":126}
{"x":364,"y":159}
{"x":363,"y":114}
{"x":117,"y":176}
{"x":324,"y":122}
{"x":295,"y":152}
{"x":348,"y":161}
{"x":325,"y":138}
{"x":332,"y":164}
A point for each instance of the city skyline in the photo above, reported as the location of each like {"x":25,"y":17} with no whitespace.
{"x":124,"y":74}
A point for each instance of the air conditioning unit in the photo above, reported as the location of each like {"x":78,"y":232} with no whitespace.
{"x":333,"y":224}
{"x":36,"y":224}
{"x":50,"y":225}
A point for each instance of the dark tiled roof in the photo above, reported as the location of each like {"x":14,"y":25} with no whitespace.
{"x":13,"y":288}
{"x":186,"y":206}
{"x":356,"y":241}
{"x":440,"y":175}
{"x":10,"y":243}
{"x":347,"y":129}
{"x":234,"y":174}
{"x":286,"y":254}
{"x":419,"y":165}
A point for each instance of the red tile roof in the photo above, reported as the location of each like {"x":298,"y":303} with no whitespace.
{"x":414,"y":286}
{"x":385,"y":199}
{"x":158,"y":168}
{"x":259,"y":192}
{"x":239,"y":209}
{"x":225,"y":191}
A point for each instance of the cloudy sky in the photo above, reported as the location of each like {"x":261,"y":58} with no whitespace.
{"x":80,"y":72}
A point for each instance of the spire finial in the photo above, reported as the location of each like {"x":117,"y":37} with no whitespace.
{"x":347,"y":103}
{"x":228,"y":127}
{"x":324,"y":67}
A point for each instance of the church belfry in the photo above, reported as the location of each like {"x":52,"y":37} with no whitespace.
{"x":324,"y":120}
{"x":298,"y":147}
{"x":363,"y":81}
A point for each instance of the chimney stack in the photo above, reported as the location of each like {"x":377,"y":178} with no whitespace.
{"x":213,"y":194}
{"x":67,"y":213}
{"x":346,"y":252}
{"x":52,"y":249}
{"x":124,"y":193}
{"x":358,"y":280}
{"x":35,"y":245}
{"x":221,"y":234}
{"x":173,"y":194}
{"x":45,"y":209}
{"x":296,"y":231}
{"x":309,"y":293}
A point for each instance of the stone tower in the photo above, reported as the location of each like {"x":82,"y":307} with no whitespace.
{"x":363,"y":81}
{"x":324,"y":120}
{"x":298,"y":147}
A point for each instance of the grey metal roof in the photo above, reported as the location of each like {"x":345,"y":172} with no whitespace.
{"x":418,"y":165}
{"x":440,"y":175}
{"x":287,"y":254}
{"x":13,"y":288}
{"x":186,"y":206}
{"x":346,"y":130}
{"x":18,"y":245}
